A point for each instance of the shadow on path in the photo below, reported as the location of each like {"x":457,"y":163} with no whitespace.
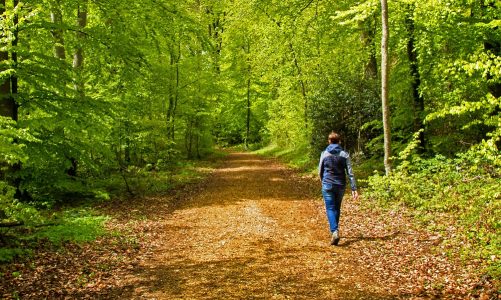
{"x":348,"y":240}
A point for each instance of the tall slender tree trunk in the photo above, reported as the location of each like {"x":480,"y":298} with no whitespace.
{"x":216,"y":30}
{"x":174,"y":94}
{"x":249,"y":70}
{"x":78,"y":57}
{"x":492,"y":45}
{"x":56,"y":17}
{"x":385,"y":87}
{"x":8,"y":94}
{"x":171,"y":98}
{"x":78,"y":63}
{"x":301,"y":83}
{"x":13,"y":78}
{"x":8,"y":105}
{"x":248,"y":109}
{"x":418,"y":101}
{"x":189,"y":138}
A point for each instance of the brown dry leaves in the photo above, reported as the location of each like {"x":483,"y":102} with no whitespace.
{"x":253,"y":230}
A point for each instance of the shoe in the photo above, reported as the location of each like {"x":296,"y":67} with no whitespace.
{"x":335,"y":238}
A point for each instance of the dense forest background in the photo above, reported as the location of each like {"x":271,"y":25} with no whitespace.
{"x":99,"y":96}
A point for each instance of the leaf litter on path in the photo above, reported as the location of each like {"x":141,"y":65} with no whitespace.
{"x":252,"y":230}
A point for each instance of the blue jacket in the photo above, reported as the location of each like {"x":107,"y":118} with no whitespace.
{"x":334,"y":165}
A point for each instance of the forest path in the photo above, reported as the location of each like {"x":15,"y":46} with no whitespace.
{"x":255,"y":231}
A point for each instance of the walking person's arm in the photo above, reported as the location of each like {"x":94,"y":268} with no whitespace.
{"x":351,"y":176}
{"x":321,"y":166}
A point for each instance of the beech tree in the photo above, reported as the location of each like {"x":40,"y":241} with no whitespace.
{"x":384,"y":86}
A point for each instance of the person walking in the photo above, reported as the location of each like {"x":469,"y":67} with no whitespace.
{"x":334,"y":165}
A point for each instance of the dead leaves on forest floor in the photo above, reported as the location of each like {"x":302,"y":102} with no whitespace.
{"x":253,"y":229}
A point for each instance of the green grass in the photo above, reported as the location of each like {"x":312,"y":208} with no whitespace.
{"x":77,"y":226}
{"x":297,"y":158}
{"x":8,"y":254}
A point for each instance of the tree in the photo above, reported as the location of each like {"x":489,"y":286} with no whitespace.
{"x":384,"y":86}
{"x":8,"y":105}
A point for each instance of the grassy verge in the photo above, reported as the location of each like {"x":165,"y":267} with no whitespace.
{"x":297,"y":158}
{"x":458,"y":201}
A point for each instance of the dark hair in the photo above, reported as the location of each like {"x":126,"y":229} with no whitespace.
{"x":334,"y":138}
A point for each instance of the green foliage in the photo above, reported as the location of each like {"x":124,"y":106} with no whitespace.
{"x":296,"y":157}
{"x":8,"y":254}
{"x":13,"y":145}
{"x":74,"y":226}
{"x":141,"y":98}
{"x":462,"y":192}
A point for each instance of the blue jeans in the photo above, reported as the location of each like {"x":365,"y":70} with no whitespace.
{"x":333,"y":196}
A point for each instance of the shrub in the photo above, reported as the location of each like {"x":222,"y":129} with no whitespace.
{"x":462,"y":192}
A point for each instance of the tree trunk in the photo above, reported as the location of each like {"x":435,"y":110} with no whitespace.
{"x":176,"y":99}
{"x":14,"y":91}
{"x":78,"y":62}
{"x":170,"y":108}
{"x":249,"y":70}
{"x":13,"y":78}
{"x":301,"y":83}
{"x":418,"y":101}
{"x":492,"y":45}
{"x":189,"y":139}
{"x":248,"y":110}
{"x":384,"y":86}
{"x":56,"y":17}
{"x":8,"y":94}
{"x":8,"y":105}
{"x":78,"y":57}
{"x":174,"y":95}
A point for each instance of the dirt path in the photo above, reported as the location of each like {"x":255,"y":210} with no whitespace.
{"x":253,"y":232}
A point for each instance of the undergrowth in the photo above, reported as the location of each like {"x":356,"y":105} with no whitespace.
{"x":456,"y":197}
{"x":75,"y":220}
{"x":459,"y":198}
{"x":75,"y":225}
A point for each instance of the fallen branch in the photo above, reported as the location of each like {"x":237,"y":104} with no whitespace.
{"x":11,"y":224}
{"x":18,"y":224}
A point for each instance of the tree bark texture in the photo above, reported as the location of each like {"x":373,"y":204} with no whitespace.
{"x":56,"y":16}
{"x":8,"y":105}
{"x":78,"y":57}
{"x":418,"y":101}
{"x":248,"y":110}
{"x":385,"y":87}
{"x":174,"y":93}
{"x":249,"y":73}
